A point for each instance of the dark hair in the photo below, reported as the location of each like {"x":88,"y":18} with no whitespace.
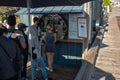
{"x":3,"y":29}
{"x":11,"y":20}
{"x":35,"y":19}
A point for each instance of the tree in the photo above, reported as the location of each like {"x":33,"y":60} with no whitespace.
{"x":4,"y":10}
{"x":106,"y":3}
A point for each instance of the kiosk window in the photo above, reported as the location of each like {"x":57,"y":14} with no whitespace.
{"x":59,"y":25}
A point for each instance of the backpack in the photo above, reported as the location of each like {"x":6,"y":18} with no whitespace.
{"x":16,"y":39}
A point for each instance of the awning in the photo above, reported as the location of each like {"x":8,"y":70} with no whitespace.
{"x":55,"y":9}
{"x":42,"y":3}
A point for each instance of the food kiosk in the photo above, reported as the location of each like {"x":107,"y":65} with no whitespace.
{"x":65,"y":21}
{"x":69,"y":44}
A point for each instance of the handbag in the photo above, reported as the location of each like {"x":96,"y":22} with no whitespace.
{"x":34,"y":56}
{"x":14,"y":61}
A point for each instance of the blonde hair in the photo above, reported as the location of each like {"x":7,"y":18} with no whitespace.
{"x":49,"y":27}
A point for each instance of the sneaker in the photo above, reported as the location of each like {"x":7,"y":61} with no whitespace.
{"x":47,"y":68}
{"x":51,"y":70}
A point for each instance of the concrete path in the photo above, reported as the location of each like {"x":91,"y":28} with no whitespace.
{"x":107,"y":66}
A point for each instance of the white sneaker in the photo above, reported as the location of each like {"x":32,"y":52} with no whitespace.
{"x":47,"y":68}
{"x":51,"y":70}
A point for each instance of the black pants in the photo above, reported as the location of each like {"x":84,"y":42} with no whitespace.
{"x":24,"y":63}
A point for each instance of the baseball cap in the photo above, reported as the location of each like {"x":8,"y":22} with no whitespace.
{"x":21,"y":26}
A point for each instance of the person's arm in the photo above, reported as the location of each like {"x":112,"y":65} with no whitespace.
{"x":32,"y":36}
{"x":17,"y":51}
{"x":55,"y":37}
{"x":39,"y":32}
{"x":22,"y":41}
{"x":31,"y":32}
{"x":23,"y":45}
{"x":44,"y":37}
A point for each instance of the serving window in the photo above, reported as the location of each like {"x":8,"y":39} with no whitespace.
{"x":64,"y":25}
{"x":59,"y":25}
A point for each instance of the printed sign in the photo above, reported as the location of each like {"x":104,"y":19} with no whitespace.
{"x":82,"y":27}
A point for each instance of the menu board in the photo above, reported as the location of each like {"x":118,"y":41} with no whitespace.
{"x":82,"y":27}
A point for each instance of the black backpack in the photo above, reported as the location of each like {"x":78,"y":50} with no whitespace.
{"x":17,"y":39}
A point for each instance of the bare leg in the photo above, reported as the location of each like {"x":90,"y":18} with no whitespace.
{"x":51,"y":60}
{"x":48,"y":59}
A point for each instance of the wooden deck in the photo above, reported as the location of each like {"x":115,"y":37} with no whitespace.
{"x":59,"y":73}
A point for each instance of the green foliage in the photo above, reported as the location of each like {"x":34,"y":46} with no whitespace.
{"x":106,"y":3}
{"x":3,"y":10}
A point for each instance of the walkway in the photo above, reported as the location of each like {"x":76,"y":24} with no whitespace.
{"x":107,"y":66}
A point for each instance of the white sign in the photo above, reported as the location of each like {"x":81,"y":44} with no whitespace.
{"x":82,"y":27}
{"x":73,"y":34}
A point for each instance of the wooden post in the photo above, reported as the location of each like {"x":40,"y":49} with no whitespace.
{"x":29,"y":37}
{"x":85,"y":48}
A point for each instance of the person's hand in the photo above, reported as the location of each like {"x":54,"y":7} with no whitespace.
{"x":14,"y":35}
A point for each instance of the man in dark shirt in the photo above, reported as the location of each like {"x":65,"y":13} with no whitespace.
{"x":9,"y":51}
{"x":17,"y":37}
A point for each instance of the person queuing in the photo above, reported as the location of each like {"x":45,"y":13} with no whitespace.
{"x":35,"y":45}
{"x":50,"y":39}
{"x":17,"y":37}
{"x":9,"y":52}
{"x":22,"y":27}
